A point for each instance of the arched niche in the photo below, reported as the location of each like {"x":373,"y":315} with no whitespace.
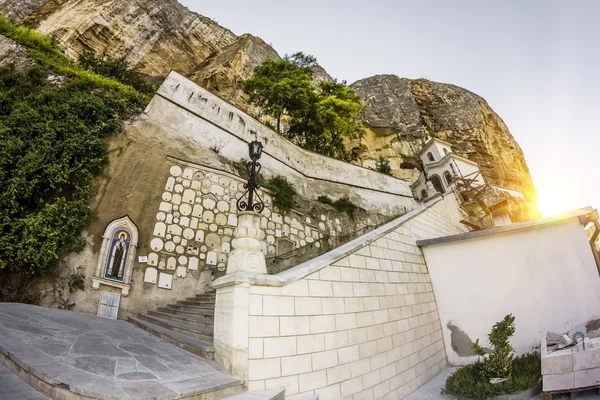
{"x":117,"y":254}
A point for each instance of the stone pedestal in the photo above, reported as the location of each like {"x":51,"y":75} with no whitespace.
{"x":233,"y":299}
{"x":231,"y":329}
{"x":246,"y":254}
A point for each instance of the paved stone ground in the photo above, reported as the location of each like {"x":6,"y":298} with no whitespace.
{"x":101,"y":357}
{"x":432,"y":390}
{"x":12,"y":388}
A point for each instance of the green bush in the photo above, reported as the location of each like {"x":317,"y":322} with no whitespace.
{"x":115,"y":67}
{"x":52,"y":144}
{"x":325,"y":200}
{"x":469,"y":381}
{"x":345,"y":205}
{"x":383,"y":166}
{"x":43,"y":49}
{"x":284,"y":193}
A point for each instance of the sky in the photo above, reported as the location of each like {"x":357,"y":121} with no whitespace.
{"x":537,"y":63}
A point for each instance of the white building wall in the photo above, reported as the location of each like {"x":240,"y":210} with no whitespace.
{"x":545,"y":276}
{"x":186,"y":110}
{"x":364,"y":327}
{"x":467,"y":169}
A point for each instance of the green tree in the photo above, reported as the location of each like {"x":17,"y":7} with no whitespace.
{"x":280,"y":86}
{"x":303,"y":61}
{"x":331,"y":118}
{"x":322,"y":116}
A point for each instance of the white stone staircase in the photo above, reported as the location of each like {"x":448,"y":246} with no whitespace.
{"x":188,"y":324}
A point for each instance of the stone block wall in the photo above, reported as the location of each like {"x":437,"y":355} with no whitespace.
{"x":364,"y":327}
{"x":197,"y":214}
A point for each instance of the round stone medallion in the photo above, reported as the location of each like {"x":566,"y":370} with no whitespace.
{"x":188,"y":233}
{"x":185,"y":209}
{"x":166,"y":196}
{"x":169,"y":246}
{"x":213,"y":240}
{"x":179,"y":249}
{"x":156,"y":244}
{"x":161,"y":216}
{"x":175,"y":170}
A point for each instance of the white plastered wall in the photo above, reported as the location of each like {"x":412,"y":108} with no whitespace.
{"x":545,"y":276}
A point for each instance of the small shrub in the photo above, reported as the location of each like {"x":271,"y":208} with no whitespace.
{"x":345,"y":205}
{"x":76,"y":281}
{"x":520,"y":373}
{"x":469,"y":381}
{"x":383,"y":166}
{"x":325,"y":200}
{"x":284,"y":193}
{"x":498,"y":364}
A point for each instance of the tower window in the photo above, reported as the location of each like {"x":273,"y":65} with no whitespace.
{"x":437,"y":184}
{"x":430,"y":157}
{"x":448,"y":178}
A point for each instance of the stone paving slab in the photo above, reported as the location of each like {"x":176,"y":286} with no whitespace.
{"x":12,"y":388}
{"x":102,"y":358}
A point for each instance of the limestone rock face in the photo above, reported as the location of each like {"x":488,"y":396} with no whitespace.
{"x":160,"y":35}
{"x":156,"y":35}
{"x":400,"y":113}
{"x":17,"y":9}
{"x":13,"y":53}
{"x":225,"y":71}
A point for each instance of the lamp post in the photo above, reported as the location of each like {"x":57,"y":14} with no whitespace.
{"x":253,"y":166}
{"x":248,"y":236}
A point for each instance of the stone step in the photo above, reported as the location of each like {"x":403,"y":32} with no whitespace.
{"x":195,"y":309}
{"x":200,"y":316}
{"x":271,"y":394}
{"x":212,"y":295}
{"x":199,"y":347}
{"x":200,"y":301}
{"x":183,"y":317}
{"x":200,"y":333}
{"x":13,"y":388}
{"x":199,"y":304}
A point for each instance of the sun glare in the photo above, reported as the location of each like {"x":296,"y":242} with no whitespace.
{"x":553,"y":201}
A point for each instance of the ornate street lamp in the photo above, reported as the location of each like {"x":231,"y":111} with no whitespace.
{"x":253,"y":166}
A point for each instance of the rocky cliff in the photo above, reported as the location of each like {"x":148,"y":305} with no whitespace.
{"x":156,"y":35}
{"x":160,"y":35}
{"x":401,"y":113}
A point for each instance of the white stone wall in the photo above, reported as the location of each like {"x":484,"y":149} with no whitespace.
{"x":542,"y":273}
{"x":184,"y":110}
{"x":364,"y":327}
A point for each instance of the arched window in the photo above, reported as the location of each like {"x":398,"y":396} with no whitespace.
{"x":423,"y":194}
{"x":445,"y":150}
{"x":115,"y":261}
{"x":430,"y":157}
{"x":437,"y":184}
{"x":452,"y":168}
{"x":448,"y":178}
